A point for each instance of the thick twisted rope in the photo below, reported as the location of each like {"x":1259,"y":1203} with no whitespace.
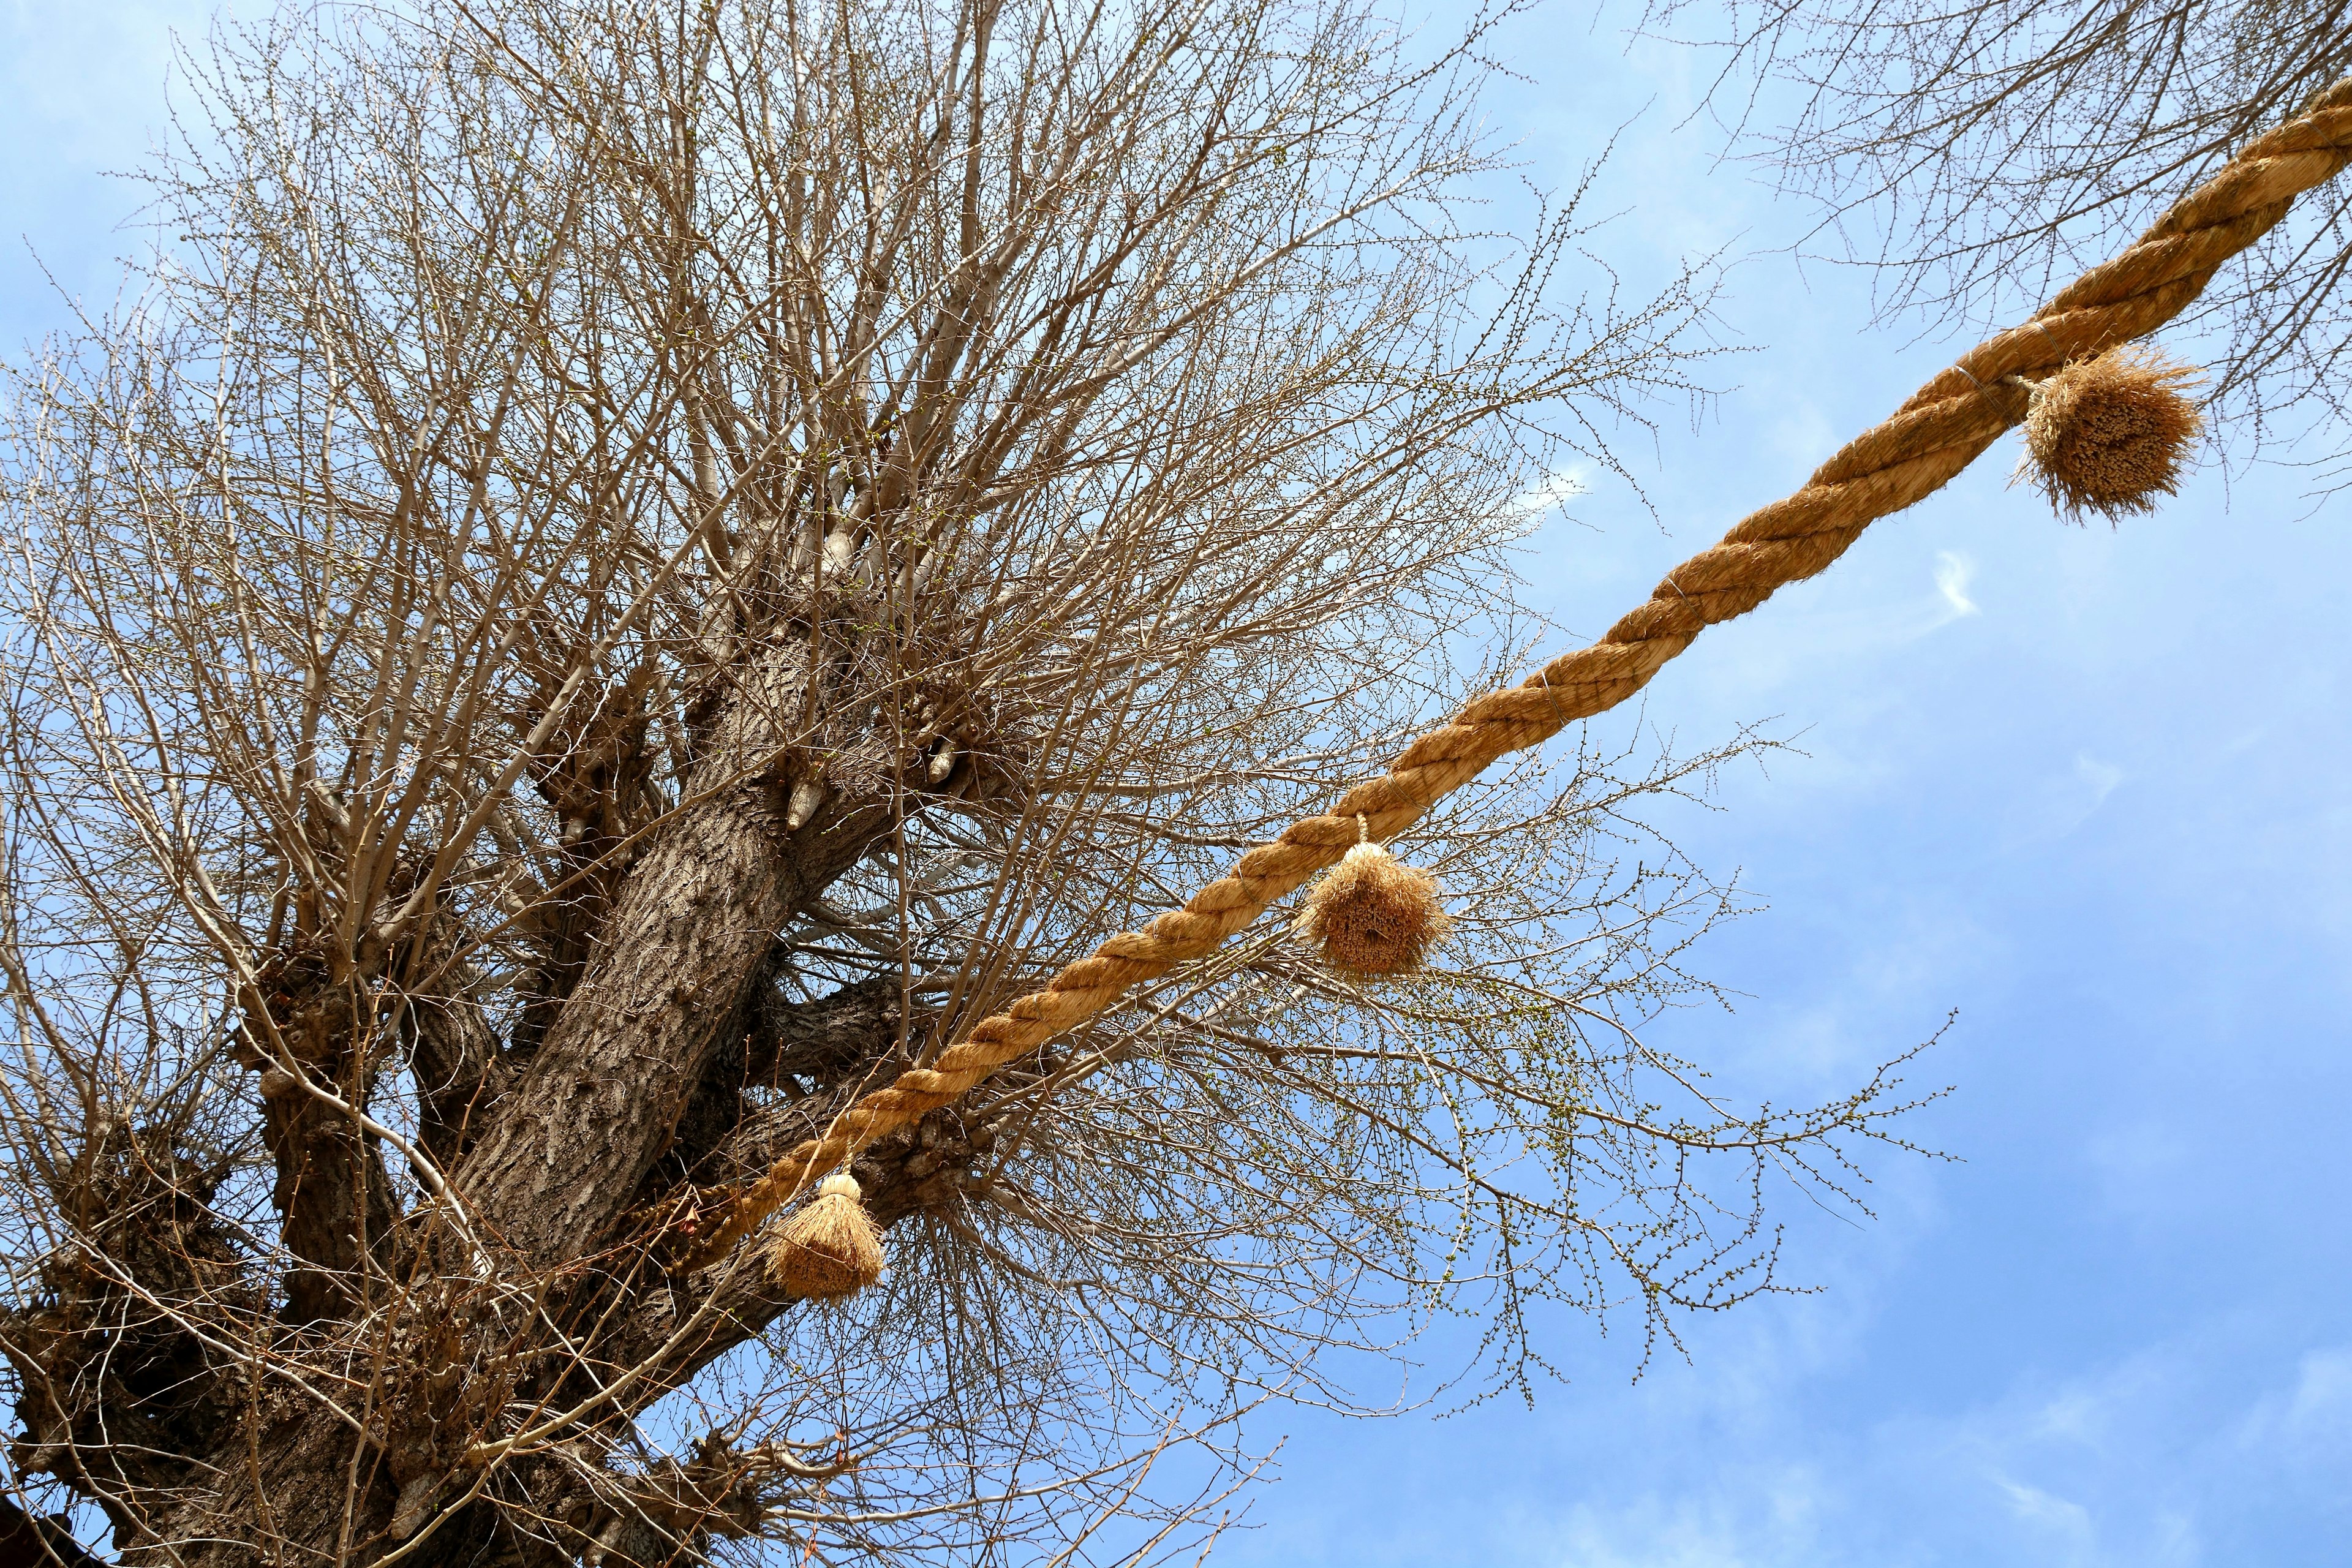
{"x":1934,"y":436}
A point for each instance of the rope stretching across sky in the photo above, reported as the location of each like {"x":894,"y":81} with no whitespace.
{"x":1934,"y":436}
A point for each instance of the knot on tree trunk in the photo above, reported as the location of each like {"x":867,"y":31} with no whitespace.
{"x":124,"y":1353}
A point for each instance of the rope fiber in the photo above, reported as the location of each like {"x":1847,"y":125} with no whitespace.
{"x":1935,"y":435}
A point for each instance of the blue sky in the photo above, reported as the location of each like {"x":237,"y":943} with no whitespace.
{"x":2087,"y":787}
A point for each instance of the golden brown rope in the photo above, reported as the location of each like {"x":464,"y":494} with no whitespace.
{"x":1935,"y":435}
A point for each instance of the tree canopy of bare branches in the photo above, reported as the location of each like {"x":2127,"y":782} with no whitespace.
{"x":1978,"y":152}
{"x":627,"y":567}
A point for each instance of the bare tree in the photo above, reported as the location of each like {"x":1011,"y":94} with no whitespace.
{"x":631,"y":566}
{"x":1975,"y":153}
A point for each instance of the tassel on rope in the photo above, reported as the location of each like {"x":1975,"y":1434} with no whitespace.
{"x":1372,"y":915}
{"x":829,"y":1248}
{"x":2107,"y":435}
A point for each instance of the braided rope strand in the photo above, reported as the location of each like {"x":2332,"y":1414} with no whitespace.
{"x":1938,"y":432}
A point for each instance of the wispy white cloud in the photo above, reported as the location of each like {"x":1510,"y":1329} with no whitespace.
{"x":2061,"y":801}
{"x":2064,"y":1525}
{"x":1558,"y":488}
{"x":2136,"y":1465}
{"x":2311,"y":1421}
{"x":1723,"y":1530}
{"x":2099,"y":778}
{"x":1954,"y":573}
{"x":2323,"y":1394}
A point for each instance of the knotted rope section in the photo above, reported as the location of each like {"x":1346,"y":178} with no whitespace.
{"x":1934,"y":436}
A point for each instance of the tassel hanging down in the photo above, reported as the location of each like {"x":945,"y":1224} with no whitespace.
{"x":1371,"y":915}
{"x":828,"y":1249}
{"x":2108,"y":434}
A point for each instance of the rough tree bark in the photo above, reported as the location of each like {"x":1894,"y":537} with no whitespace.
{"x":697,"y":914}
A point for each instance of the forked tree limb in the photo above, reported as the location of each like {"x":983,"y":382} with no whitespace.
{"x":1935,"y":435}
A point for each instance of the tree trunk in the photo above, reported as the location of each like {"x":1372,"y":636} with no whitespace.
{"x":698,"y":912}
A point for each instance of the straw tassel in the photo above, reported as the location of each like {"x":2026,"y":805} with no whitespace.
{"x":2108,"y":434}
{"x":828,"y":1249}
{"x":1371,"y":915}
